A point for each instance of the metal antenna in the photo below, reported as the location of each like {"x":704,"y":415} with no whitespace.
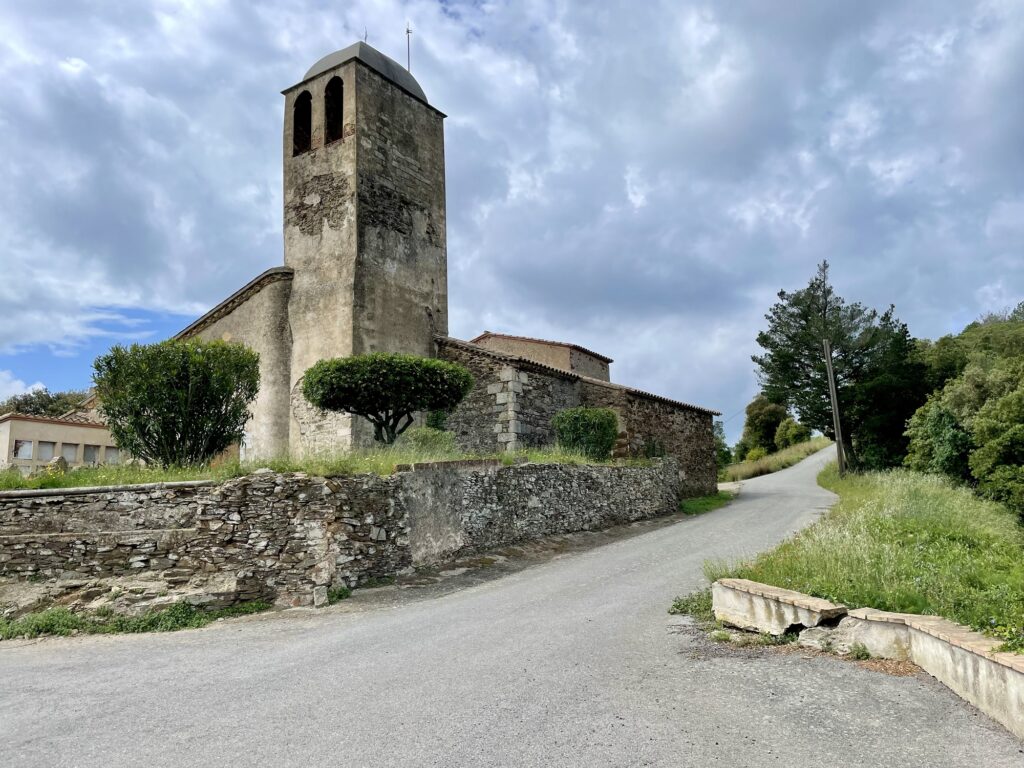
{"x":365,"y":34}
{"x":408,"y":46}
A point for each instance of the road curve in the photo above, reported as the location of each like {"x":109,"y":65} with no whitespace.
{"x":572,"y":662}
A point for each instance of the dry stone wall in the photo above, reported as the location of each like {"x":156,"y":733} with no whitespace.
{"x":491,"y":506}
{"x":286,"y":538}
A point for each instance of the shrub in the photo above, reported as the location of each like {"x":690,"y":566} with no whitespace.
{"x":591,"y":431}
{"x":438,"y":420}
{"x":756,"y":454}
{"x":429,"y":440}
{"x":177,"y":403}
{"x":386,"y":389}
{"x":790,"y":432}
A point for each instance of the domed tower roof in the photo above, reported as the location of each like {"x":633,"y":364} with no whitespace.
{"x":375,"y":60}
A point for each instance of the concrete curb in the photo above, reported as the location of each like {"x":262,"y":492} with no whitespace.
{"x":962,"y":659}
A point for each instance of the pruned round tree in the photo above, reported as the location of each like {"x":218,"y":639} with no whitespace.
{"x":386,"y":389}
{"x":177,"y":403}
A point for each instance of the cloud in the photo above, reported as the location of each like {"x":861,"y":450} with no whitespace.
{"x":638,"y":178}
{"x":10,"y":386}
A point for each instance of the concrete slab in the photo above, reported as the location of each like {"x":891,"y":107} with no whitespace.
{"x":763,"y":608}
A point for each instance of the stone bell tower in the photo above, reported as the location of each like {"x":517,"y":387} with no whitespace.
{"x":364,"y":222}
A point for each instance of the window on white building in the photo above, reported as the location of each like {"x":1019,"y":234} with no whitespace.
{"x":23,"y":449}
{"x":113,"y":455}
{"x":91,"y":454}
{"x":70,"y":452}
{"x":46,"y":450}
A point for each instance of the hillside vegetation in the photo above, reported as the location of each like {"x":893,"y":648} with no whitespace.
{"x":773,"y":462}
{"x":907,"y":542}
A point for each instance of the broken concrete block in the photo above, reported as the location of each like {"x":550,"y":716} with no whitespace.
{"x":763,"y":608}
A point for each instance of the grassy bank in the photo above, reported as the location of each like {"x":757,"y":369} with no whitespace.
{"x":907,"y":542}
{"x":381,"y":462}
{"x":702,"y":504}
{"x":61,"y":621}
{"x":773,"y":462}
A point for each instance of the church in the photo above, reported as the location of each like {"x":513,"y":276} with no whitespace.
{"x":365,"y":270}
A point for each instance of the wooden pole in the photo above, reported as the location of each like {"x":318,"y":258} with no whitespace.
{"x":840,"y":452}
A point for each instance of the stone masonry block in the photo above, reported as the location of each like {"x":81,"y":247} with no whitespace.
{"x":507,"y":374}
{"x":495,"y":388}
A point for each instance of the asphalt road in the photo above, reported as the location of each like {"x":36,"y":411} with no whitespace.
{"x":570,"y":662}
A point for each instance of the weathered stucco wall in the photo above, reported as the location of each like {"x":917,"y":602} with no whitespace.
{"x":288,"y":537}
{"x":588,"y":365}
{"x":401,"y":279}
{"x":364,"y":230}
{"x":555,"y":355}
{"x":258,"y":318}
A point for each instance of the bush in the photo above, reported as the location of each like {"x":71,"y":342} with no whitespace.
{"x":429,"y":440}
{"x":386,"y":389}
{"x":591,"y":431}
{"x":756,"y":454}
{"x":177,"y":403}
{"x":790,"y":432}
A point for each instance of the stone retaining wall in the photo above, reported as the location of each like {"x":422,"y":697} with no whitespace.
{"x":287,"y":537}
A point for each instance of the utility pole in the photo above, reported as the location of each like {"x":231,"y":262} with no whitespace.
{"x":840,"y":452}
{"x":408,"y":46}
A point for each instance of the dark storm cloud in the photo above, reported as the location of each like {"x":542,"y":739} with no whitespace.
{"x":636,"y":177}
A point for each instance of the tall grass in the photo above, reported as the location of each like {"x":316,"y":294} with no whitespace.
{"x":61,"y":621}
{"x":773,"y":462}
{"x":381,"y":461}
{"x":906,"y":542}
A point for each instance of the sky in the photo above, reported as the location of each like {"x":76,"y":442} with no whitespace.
{"x":637,"y":178}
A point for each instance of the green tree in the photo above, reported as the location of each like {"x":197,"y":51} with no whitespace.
{"x":740,"y":450}
{"x":42,"y":402}
{"x":880,"y":379}
{"x":177,"y":403}
{"x":386,"y":389}
{"x":763,"y":419}
{"x":722,"y":453}
{"x":791,"y":432}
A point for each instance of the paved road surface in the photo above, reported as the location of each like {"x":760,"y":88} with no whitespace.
{"x":572,"y":662}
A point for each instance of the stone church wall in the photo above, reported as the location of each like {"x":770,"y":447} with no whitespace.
{"x":650,"y":426}
{"x":513,"y":402}
{"x":287,"y":537}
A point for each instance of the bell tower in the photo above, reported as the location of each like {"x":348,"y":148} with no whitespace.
{"x":364,"y":219}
